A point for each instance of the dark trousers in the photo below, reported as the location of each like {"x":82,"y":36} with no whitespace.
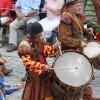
{"x":42,"y":15}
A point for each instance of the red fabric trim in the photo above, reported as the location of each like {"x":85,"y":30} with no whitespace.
{"x":41,"y":58}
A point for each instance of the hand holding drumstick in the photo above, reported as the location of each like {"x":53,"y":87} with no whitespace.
{"x":58,"y":45}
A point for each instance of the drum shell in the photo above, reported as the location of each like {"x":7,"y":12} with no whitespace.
{"x":63,"y":91}
{"x":95,"y":58}
{"x":66,"y":91}
{"x":96,"y":62}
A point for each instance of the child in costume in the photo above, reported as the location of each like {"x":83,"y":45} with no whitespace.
{"x":5,"y":70}
{"x":6,"y":89}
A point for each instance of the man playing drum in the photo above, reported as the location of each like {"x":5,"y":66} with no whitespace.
{"x":71,"y":34}
{"x":33,"y":52}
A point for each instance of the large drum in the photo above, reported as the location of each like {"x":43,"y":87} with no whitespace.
{"x":92,"y":51}
{"x":73,"y":72}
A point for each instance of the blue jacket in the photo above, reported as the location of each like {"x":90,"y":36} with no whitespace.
{"x":5,"y":89}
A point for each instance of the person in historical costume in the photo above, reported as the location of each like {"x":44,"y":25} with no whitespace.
{"x":91,"y":9}
{"x":33,"y":51}
{"x":26,"y":12}
{"x":5,"y":16}
{"x":71,"y":26}
{"x":7,"y":89}
{"x":71,"y":35}
{"x":5,"y":70}
{"x":51,"y":22}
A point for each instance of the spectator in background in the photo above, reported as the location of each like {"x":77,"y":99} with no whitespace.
{"x":91,"y":9}
{"x":53,"y":9}
{"x":5,"y":15}
{"x":26,"y":11}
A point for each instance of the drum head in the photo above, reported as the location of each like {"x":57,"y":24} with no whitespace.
{"x":92,"y":49}
{"x":73,"y":68}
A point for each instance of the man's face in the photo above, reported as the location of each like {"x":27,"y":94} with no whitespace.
{"x":76,"y":7}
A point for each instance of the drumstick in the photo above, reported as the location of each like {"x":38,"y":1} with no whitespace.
{"x":65,"y":68}
{"x":59,"y":46}
{"x":92,"y":46}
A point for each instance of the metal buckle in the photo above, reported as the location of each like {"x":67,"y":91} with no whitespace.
{"x":28,"y":77}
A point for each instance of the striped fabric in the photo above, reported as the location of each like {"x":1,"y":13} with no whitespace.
{"x":6,"y":89}
{"x":90,"y":12}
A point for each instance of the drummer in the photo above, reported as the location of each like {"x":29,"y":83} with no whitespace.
{"x":33,"y":51}
{"x":71,"y":26}
{"x":71,"y":32}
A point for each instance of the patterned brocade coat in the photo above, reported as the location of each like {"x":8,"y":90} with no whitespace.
{"x":38,"y":87}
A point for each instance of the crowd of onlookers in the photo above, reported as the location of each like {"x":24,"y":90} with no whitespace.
{"x":19,"y":13}
{"x":29,"y":11}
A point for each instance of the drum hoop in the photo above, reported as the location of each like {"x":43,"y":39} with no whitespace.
{"x":91,"y":58}
{"x":84,"y":56}
{"x":63,"y":85}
